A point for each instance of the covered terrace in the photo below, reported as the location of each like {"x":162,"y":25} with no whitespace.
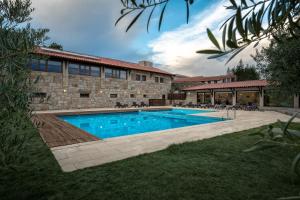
{"x":242,"y":93}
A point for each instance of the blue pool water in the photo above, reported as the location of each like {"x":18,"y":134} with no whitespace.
{"x":110,"y":125}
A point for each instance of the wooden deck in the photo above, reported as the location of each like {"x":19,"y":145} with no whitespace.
{"x":56,"y":132}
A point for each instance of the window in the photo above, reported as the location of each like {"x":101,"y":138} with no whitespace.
{"x":115,"y":73}
{"x":43,"y":65}
{"x":84,"y":95}
{"x":208,"y":82}
{"x":84,"y":70}
{"x":216,"y":81}
{"x":113,"y":95}
{"x":140,"y":77}
{"x":54,"y":66}
{"x":108,"y":73}
{"x":123,"y":74}
{"x":132,"y":96}
{"x":73,"y":68}
{"x":95,"y":71}
{"x":156,"y":79}
{"x":39,"y":95}
{"x":137,"y":77}
{"x":145,"y":96}
{"x":46,"y":65}
{"x":161,"y":80}
{"x":35,"y":65}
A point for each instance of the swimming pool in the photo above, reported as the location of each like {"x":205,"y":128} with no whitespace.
{"x":108,"y":125}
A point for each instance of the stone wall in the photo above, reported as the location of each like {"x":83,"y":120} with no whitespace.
{"x":180,"y":86}
{"x":63,"y":90}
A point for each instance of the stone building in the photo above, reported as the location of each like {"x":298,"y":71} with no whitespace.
{"x":69,"y":80}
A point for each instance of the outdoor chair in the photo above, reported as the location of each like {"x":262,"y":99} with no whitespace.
{"x":220,"y":106}
{"x":119,"y":105}
{"x":190,"y":105}
{"x":210,"y":105}
{"x":230,"y":107}
{"x":176,"y":105}
{"x":143,"y":104}
{"x":134,"y":104}
{"x":203,"y":106}
{"x":252,"y":107}
{"x":237,"y":106}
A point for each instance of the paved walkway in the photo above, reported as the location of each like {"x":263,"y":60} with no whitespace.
{"x":79,"y":156}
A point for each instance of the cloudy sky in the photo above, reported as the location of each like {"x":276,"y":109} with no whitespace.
{"x":87,"y":26}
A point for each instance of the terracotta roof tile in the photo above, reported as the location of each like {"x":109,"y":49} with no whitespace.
{"x":96,"y":60}
{"x":240,"y":84}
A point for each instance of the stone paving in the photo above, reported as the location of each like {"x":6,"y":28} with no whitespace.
{"x":83,"y":155}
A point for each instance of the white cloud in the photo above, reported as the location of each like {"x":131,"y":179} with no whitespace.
{"x":87,"y":26}
{"x":176,"y":50}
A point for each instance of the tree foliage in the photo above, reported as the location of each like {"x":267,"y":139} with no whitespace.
{"x":17,"y":42}
{"x":280,"y":137}
{"x":55,"y":45}
{"x":251,"y":21}
{"x":280,"y":65}
{"x":244,"y":73}
{"x":273,"y":137}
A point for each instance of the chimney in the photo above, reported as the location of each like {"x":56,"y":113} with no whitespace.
{"x":146,"y":63}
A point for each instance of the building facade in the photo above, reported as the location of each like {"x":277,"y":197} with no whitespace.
{"x":68,"y":80}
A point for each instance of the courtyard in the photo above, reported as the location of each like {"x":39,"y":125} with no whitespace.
{"x":84,"y":154}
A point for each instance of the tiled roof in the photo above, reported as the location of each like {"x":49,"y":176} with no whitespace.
{"x":96,"y":60}
{"x":203,"y":78}
{"x":239,"y":84}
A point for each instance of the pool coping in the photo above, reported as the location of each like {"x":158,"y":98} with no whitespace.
{"x":56,"y":132}
{"x":147,"y":132}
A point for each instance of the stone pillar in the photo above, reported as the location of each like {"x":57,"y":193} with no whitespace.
{"x":129,"y":75}
{"x":296,"y":101}
{"x":234,"y":98}
{"x":261,"y":98}
{"x":213,"y":98}
{"x":65,"y":74}
{"x":65,"y":84}
{"x":102,"y":72}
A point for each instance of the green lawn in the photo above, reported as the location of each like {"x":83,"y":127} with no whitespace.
{"x":210,"y":169}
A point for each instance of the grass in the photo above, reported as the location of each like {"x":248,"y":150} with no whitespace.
{"x":210,"y":169}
